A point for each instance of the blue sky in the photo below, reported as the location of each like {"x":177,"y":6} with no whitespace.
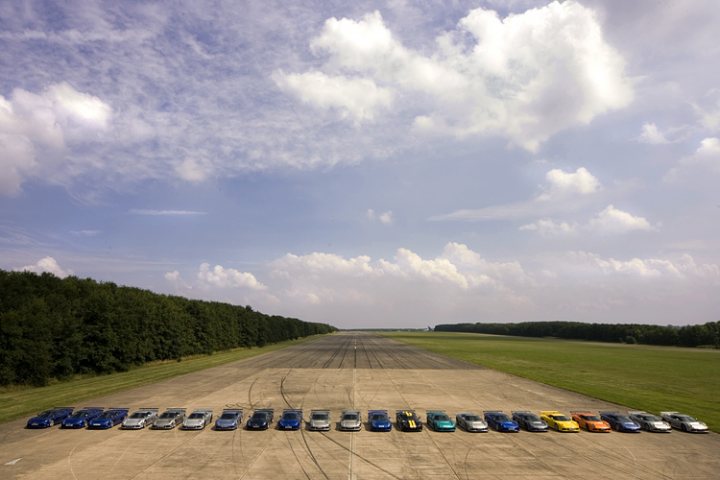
{"x":370,"y":163}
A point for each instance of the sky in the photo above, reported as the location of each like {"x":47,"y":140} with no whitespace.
{"x":370,"y":164}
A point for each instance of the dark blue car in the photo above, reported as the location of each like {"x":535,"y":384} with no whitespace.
{"x":108,"y":419}
{"x":51,"y":417}
{"x":379,"y":421}
{"x":81,"y":418}
{"x":291,"y":420}
{"x":229,"y":419}
{"x":501,"y":422}
{"x":260,"y":419}
{"x":620,"y":422}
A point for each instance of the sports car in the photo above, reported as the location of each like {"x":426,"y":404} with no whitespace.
{"x":291,"y":419}
{"x":230,"y":419}
{"x":319,"y":420}
{"x":350,"y":420}
{"x":260,"y":419}
{"x":620,"y":422}
{"x":500,"y":421}
{"x":559,"y":421}
{"x":471,"y":422}
{"x":683,"y":422}
{"x":591,"y":422}
{"x":48,"y":418}
{"x":408,"y":421}
{"x":170,"y":418}
{"x":529,"y":421}
{"x":439,"y":421}
{"x":379,"y":421}
{"x":80,"y":418}
{"x":198,"y":419}
{"x":140,"y":419}
{"x":108,"y":419}
{"x":649,"y":422}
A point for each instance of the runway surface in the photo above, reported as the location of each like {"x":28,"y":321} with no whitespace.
{"x":364,"y":372}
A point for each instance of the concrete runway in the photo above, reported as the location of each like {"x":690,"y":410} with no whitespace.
{"x":365,"y":372}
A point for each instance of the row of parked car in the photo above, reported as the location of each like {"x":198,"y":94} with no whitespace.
{"x":377,"y":420}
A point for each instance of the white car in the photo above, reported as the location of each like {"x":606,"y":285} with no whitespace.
{"x":350,"y":420}
{"x":198,"y":419}
{"x":319,"y":420}
{"x":683,"y":422}
{"x":140,"y":419}
{"x":471,"y":422}
{"x":170,"y":418}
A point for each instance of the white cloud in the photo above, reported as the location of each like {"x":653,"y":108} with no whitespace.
{"x":222,"y":277}
{"x":524,"y":77}
{"x":386,"y":218}
{"x":36,"y":130}
{"x":359,"y":99}
{"x":165,"y":213}
{"x":592,"y":264}
{"x":549,"y":228}
{"x":562,"y":192}
{"x":705,"y":159}
{"x":650,"y":134}
{"x":616,"y":221}
{"x":193,"y":170}
{"x":46,"y":264}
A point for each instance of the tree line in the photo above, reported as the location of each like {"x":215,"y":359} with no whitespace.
{"x":55,"y":328}
{"x":707,"y":334}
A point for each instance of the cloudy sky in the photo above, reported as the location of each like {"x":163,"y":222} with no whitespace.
{"x":371,"y":164}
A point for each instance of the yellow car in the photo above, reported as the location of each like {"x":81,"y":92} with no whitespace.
{"x":559,"y":421}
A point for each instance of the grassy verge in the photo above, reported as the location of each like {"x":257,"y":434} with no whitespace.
{"x":638,"y":376}
{"x":20,"y":401}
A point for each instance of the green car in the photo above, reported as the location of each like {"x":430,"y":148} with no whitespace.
{"x":439,"y":421}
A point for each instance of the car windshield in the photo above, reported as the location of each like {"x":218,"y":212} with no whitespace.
{"x":686,"y":418}
{"x":378,"y":416}
{"x":197,"y":415}
{"x":46,"y":413}
{"x":320,"y":416}
{"x":621,"y":418}
{"x":591,"y":418}
{"x":290,"y":416}
{"x":350,"y":416}
{"x":443,"y":418}
{"x":80,"y":414}
{"x":472,"y":418}
{"x":259,"y":416}
{"x":501,"y":417}
{"x":560,"y":418}
{"x":139,"y":415}
{"x":228,"y":416}
{"x":168,"y":415}
{"x":106,"y":415}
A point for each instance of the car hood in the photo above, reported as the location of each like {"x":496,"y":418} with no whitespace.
{"x":477,"y":424}
{"x":194,"y":421}
{"x":134,"y":421}
{"x":349,"y":423}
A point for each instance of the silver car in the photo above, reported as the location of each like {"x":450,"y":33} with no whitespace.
{"x":649,"y":422}
{"x":198,"y":419}
{"x":471,"y":422}
{"x":319,"y":420}
{"x":350,"y":420}
{"x":140,"y":419}
{"x":170,"y":418}
{"x":683,"y":422}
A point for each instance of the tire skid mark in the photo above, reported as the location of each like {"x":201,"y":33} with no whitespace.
{"x":357,"y":455}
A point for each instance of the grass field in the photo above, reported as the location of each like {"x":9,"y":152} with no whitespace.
{"x":20,"y":401}
{"x":638,"y":376}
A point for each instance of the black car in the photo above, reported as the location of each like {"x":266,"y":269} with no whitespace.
{"x":260,"y":419}
{"x":408,"y":421}
{"x":620,"y":422}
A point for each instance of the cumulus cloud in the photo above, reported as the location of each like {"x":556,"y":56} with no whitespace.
{"x":219,"y":276}
{"x":610,"y":221}
{"x":386,"y":218}
{"x":562,"y":191}
{"x":524,"y":77}
{"x":681,"y":268}
{"x":359,"y":99}
{"x":46,"y":264}
{"x":652,"y":135}
{"x":36,"y":130}
{"x":705,"y":159}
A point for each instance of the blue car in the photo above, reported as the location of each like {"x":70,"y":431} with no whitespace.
{"x":81,"y":418}
{"x":229,"y":419}
{"x":291,"y":420}
{"x":620,"y":422}
{"x":260,"y":419}
{"x":51,"y":417}
{"x":500,"y":422}
{"x":379,"y":421}
{"x":108,"y":419}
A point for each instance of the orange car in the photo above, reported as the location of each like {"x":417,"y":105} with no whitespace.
{"x":591,"y":422}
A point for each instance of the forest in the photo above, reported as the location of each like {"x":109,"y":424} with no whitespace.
{"x":52,"y":328}
{"x":707,"y":335}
